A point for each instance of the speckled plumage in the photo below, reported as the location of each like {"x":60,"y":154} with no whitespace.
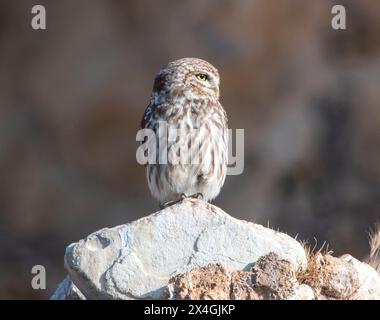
{"x":180,"y":100}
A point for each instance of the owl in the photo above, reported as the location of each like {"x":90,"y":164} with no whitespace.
{"x":190,"y":130}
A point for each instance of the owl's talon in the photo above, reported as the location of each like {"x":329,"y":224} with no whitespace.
{"x":168,"y":204}
{"x":183,"y":196}
{"x":197,"y":195}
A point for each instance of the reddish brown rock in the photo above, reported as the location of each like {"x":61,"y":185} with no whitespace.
{"x":332,"y":278}
{"x":273,"y":278}
{"x":206,"y":283}
{"x":270,"y":278}
{"x":339,"y":278}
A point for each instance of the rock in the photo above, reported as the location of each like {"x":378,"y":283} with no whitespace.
{"x":343,"y":278}
{"x":368,"y":287}
{"x":242,"y":286}
{"x":194,"y":250}
{"x":339,"y":279}
{"x":269,"y":278}
{"x":136,"y":260}
{"x":273,"y":278}
{"x":67,"y":291}
{"x":302,"y":292}
{"x":211,"y":282}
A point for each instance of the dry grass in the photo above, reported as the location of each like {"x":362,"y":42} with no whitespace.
{"x":374,"y":243}
{"x":310,"y":276}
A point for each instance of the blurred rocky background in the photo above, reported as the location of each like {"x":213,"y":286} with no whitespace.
{"x":71,"y":99}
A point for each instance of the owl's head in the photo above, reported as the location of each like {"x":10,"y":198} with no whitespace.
{"x":189,"y":77}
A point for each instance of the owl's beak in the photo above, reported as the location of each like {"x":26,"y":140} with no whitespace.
{"x":216,"y":90}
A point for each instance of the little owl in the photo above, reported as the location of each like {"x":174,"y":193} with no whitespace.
{"x":185,"y":100}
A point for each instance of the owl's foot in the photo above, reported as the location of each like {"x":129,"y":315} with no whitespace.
{"x":170,"y":203}
{"x":182,"y":197}
{"x":198,"y":195}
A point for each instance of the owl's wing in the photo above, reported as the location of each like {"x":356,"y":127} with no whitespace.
{"x":147,"y":116}
{"x":155,"y":113}
{"x":154,"y":116}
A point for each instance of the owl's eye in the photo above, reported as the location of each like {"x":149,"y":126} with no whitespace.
{"x":202,"y":77}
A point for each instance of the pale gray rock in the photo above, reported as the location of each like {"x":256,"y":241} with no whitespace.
{"x":67,"y":291}
{"x":136,"y":260}
{"x":302,"y":292}
{"x":369,"y":280}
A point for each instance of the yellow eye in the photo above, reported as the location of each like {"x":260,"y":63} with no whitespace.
{"x":202,"y":77}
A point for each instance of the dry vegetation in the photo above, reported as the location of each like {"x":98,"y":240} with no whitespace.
{"x":374,"y":242}
{"x":313,"y":255}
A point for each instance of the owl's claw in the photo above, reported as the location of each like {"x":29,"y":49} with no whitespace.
{"x":198,"y":195}
{"x":182,"y":197}
{"x":170,"y":203}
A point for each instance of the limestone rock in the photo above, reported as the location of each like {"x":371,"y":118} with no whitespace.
{"x":302,"y":292}
{"x":343,"y":278}
{"x":136,"y":260}
{"x":368,"y":280}
{"x":194,"y":250}
{"x":338,"y":278}
{"x":67,"y":291}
